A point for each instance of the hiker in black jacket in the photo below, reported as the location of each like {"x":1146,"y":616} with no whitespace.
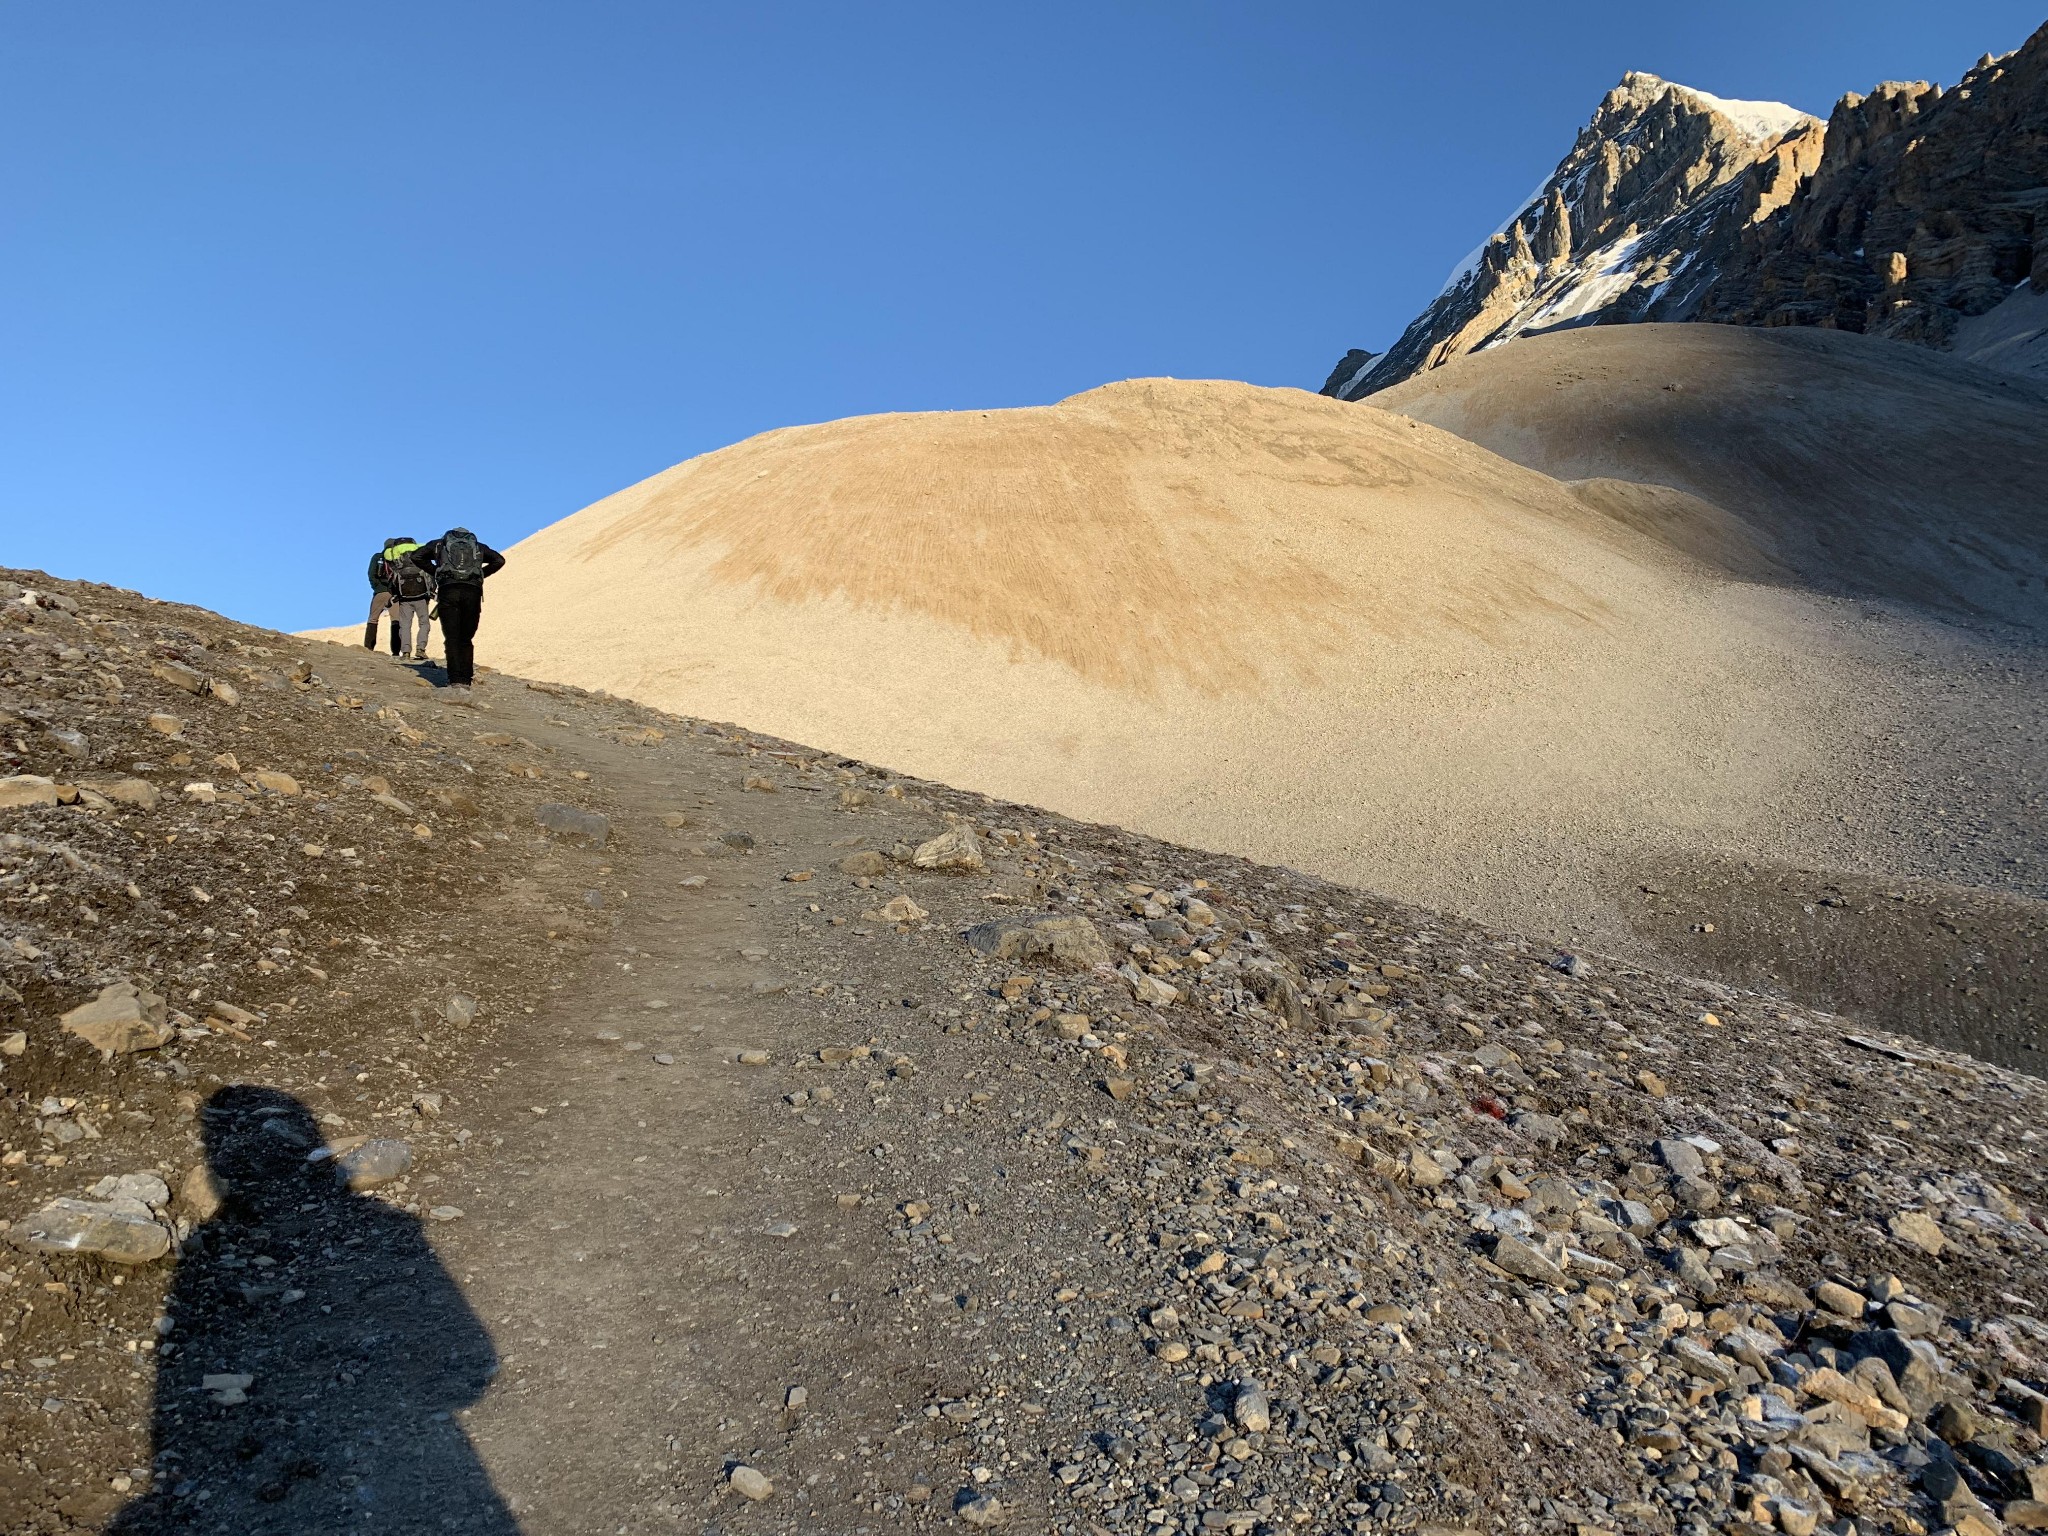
{"x":459,"y":561}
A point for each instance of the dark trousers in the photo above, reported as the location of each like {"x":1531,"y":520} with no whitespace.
{"x":462,"y":608}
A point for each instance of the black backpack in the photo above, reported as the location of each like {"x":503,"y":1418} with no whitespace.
{"x":462,"y":558}
{"x":408,"y":581}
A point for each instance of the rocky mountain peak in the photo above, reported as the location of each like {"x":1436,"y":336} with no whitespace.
{"x":1914,"y":213}
{"x":1612,"y":230}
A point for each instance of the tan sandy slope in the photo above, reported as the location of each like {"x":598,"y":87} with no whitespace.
{"x":1256,"y":620}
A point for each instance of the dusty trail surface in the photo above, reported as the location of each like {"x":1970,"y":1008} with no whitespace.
{"x":1193,"y":1195}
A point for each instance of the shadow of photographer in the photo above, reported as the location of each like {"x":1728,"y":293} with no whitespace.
{"x":317,"y":1357}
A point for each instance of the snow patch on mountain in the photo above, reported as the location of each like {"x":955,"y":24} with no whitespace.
{"x":1764,"y":121}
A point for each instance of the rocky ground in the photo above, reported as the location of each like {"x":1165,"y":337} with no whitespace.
{"x":548,"y":1115}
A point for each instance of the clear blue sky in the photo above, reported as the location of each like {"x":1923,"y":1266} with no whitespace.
{"x":280,"y":279}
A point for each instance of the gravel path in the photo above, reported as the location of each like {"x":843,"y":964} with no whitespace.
{"x":794,"y":1146}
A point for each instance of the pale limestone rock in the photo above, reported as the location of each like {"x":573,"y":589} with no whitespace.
{"x":178,"y":675}
{"x":957,"y":848}
{"x":121,"y":1230}
{"x":26,"y":789}
{"x":122,"y":1020}
{"x":750,"y":1484}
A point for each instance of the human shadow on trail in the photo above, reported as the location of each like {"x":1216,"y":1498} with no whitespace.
{"x":358,"y":1346}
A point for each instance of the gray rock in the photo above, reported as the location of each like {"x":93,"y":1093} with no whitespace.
{"x":373,"y":1163}
{"x":179,"y":676}
{"x":1250,"y":1408}
{"x":1520,"y":1259}
{"x":461,"y":1009}
{"x":573,"y":821}
{"x":1682,"y":1158}
{"x":1834,"y":1430}
{"x":1071,"y":942}
{"x":1915,"y":1322}
{"x":981,"y":1511}
{"x":122,"y":1231}
{"x":1701,"y":1361}
{"x":1693,"y":1268}
{"x":1352,"y":364}
{"x":143,"y":1189}
{"x":1922,"y":1373}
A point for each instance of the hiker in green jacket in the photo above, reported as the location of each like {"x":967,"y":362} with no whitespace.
{"x":381,"y":596}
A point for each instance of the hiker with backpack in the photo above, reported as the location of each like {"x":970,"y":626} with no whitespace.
{"x":459,"y":561}
{"x":412,"y":590}
{"x":382,"y":595}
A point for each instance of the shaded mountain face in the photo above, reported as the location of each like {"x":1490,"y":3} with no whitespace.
{"x":1929,"y":208}
{"x":1624,"y":229}
{"x":1914,"y":213}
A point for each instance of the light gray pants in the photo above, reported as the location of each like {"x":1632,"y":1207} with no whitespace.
{"x":409,"y":621}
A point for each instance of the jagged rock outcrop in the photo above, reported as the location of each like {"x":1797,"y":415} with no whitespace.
{"x":1349,"y":368}
{"x":1928,"y":207}
{"x":1914,"y":213}
{"x":1622,"y":229}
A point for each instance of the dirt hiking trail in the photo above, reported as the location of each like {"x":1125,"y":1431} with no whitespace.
{"x":791,"y":1146}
